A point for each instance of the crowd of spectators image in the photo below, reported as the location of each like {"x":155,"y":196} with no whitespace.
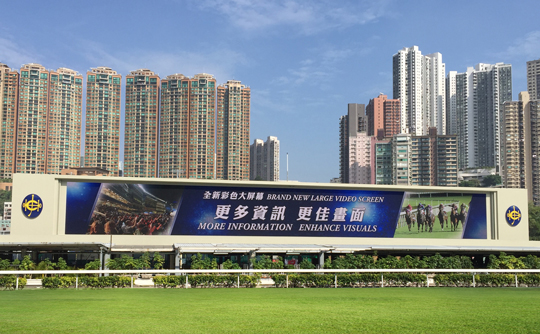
{"x":108,"y":220}
{"x":129,"y":210}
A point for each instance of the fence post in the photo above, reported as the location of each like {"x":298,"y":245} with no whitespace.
{"x":473,"y":280}
{"x":287,"y":280}
{"x":76,"y":282}
{"x":382,"y":280}
{"x":132,"y":281}
{"x":335,"y":281}
{"x":516,"y":281}
{"x":187,"y":281}
{"x":427,"y":280}
{"x":238,"y":281}
{"x":17,"y":283}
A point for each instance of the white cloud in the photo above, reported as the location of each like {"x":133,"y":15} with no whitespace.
{"x":13,"y":55}
{"x":528,"y":47}
{"x":221,"y":63}
{"x":305,"y":17}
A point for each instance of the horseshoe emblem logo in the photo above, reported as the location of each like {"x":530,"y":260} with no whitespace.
{"x":32,"y":206}
{"x":513,"y":215}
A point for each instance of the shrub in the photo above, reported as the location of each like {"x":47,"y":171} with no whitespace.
{"x":9,"y":282}
{"x":56,"y":282}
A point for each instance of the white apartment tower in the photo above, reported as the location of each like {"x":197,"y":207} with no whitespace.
{"x":479,"y":96}
{"x":533,"y":79}
{"x":419,"y":82}
{"x":264,"y":159}
{"x":451,"y":118}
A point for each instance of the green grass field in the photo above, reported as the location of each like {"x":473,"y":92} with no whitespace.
{"x":367,"y":310}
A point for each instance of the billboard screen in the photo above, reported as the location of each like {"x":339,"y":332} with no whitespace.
{"x":153,"y":209}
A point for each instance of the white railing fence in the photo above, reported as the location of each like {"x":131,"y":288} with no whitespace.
{"x":286,"y":272}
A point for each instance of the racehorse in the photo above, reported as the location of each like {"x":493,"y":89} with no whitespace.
{"x":454,"y":217}
{"x":430,"y":218}
{"x":420,"y":217}
{"x":443,"y":216}
{"x":409,"y":217}
{"x":462,"y":215}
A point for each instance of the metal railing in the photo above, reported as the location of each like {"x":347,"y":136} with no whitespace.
{"x":286,"y":272}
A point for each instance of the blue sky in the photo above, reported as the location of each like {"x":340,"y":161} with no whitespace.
{"x":304,"y":60}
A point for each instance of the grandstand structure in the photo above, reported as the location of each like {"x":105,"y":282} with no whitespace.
{"x":83,"y":218}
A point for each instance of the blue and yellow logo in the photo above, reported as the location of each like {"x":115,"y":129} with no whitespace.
{"x":513,"y":216}
{"x":32,"y":206}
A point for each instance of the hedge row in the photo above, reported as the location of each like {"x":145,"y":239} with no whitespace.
{"x":403,"y":279}
{"x":349,"y":280}
{"x":9,"y":282}
{"x":295,"y":280}
{"x":206,"y":281}
{"x":56,"y":282}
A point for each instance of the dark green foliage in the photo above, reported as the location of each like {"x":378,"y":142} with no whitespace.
{"x":5,"y":196}
{"x":5,"y":265}
{"x":105,"y":281}
{"x":453,"y":279}
{"x":230,"y":265}
{"x":306,"y":264}
{"x":506,"y":262}
{"x":200,"y":262}
{"x":491,"y":180}
{"x":56,"y":282}
{"x":158,"y":261}
{"x":470,"y":183}
{"x":534,"y":222}
{"x":207,"y":281}
{"x":362,"y":261}
{"x":93,"y":265}
{"x":265,"y":262}
{"x":9,"y":282}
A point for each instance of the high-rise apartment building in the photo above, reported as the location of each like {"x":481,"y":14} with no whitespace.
{"x":49,"y":120}
{"x":232,"y":136}
{"x":383,"y":115}
{"x":31,"y":145}
{"x":9,"y":95}
{"x":401,"y":162}
{"x":64,"y":120}
{"x":349,"y":126}
{"x":187,"y":130}
{"x":533,"y":79}
{"x":434,"y":160}
{"x":360,"y":158}
{"x":174,"y":126}
{"x":516,"y":164}
{"x":102,"y":135}
{"x":142,"y":124}
{"x":381,"y":162}
{"x":419,"y":83}
{"x":480,"y":94}
{"x":425,"y":160}
{"x":451,"y":100}
{"x":534,"y":110}
{"x":264,"y":159}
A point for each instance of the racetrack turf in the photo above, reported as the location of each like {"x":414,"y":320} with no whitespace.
{"x":229,"y":310}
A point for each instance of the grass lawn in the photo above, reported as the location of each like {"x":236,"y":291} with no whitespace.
{"x":367,"y":310}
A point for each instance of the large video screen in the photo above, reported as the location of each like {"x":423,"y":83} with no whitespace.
{"x":156,"y":209}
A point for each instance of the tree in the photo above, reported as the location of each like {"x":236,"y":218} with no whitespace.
{"x":470,"y":183}
{"x":5,"y":196}
{"x":534,"y":222}
{"x":158,"y":261}
{"x":491,"y":180}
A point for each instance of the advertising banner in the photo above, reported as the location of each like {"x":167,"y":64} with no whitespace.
{"x":151,"y":209}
